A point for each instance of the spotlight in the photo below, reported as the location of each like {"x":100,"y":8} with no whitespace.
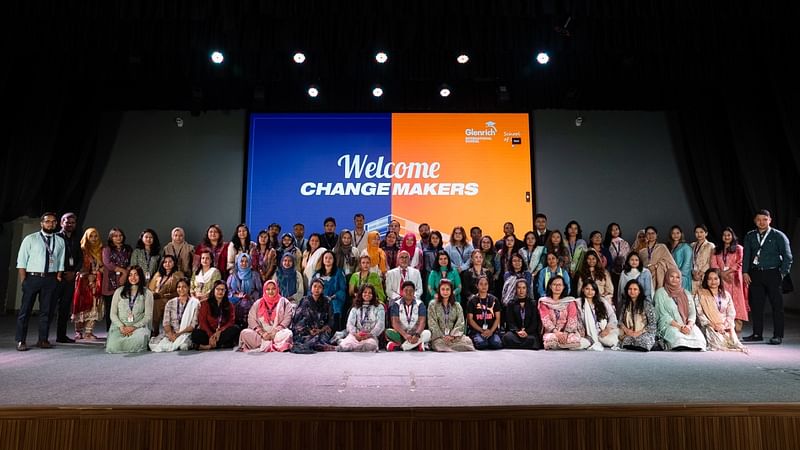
{"x":217,"y":57}
{"x":381,"y":57}
{"x":444,"y":91}
{"x":542,"y":58}
{"x":462,"y":58}
{"x":299,"y":58}
{"x":313,"y":91}
{"x":377,"y":91}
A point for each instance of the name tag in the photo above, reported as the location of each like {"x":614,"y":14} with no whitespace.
{"x":71,"y":261}
{"x":485,"y":327}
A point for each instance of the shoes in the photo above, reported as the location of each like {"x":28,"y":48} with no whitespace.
{"x":65,"y":340}
{"x":392,"y":347}
{"x":21,"y":347}
{"x":775,"y":341}
{"x":753,"y":338}
{"x":44,"y":344}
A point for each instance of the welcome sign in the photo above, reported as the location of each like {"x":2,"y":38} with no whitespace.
{"x":443,"y":169}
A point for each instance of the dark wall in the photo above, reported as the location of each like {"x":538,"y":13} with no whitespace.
{"x":161,"y":176}
{"x":617,"y":166}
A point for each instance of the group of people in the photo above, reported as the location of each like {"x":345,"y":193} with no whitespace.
{"x":360,"y":291}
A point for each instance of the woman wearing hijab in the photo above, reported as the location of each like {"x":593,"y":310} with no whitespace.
{"x":131,"y":315}
{"x":244,"y":285}
{"x":377,"y":256}
{"x":409,"y":244}
{"x":346,"y":253}
{"x":365,"y":323}
{"x":522,"y":320}
{"x":180,"y":320}
{"x":290,"y":281}
{"x":268,"y":322}
{"x":637,"y":319}
{"x":559,"y":315}
{"x":716,"y":313}
{"x":288,"y":244}
{"x":446,"y":321}
{"x":87,"y":302}
{"x":676,"y":313}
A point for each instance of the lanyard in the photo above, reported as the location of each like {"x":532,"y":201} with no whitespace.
{"x":180,"y":310}
{"x":650,"y":251}
{"x":409,"y":311}
{"x":359,"y":239}
{"x":616,"y":248}
{"x":572,"y":248}
{"x":364,"y":316}
{"x":522,"y":313}
{"x":132,"y":302}
{"x":762,"y":240}
{"x":484,"y":303}
{"x":528,"y":256}
{"x":49,"y":244}
{"x":460,"y":252}
{"x":447,"y":315}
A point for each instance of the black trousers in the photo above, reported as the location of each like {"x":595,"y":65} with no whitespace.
{"x":227,"y":339}
{"x":107,"y":299}
{"x":766,"y":285}
{"x":61,"y":306}
{"x":44,"y":288}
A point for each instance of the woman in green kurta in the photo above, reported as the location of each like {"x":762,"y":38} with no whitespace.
{"x":682,"y":253}
{"x":676,"y":313}
{"x":364,"y":276}
{"x":131,"y":314}
{"x":444,"y":269}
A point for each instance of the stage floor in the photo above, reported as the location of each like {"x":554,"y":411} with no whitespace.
{"x":83,"y":374}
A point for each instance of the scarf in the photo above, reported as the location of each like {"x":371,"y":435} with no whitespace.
{"x":291,"y":249}
{"x":266,"y":309}
{"x":709,"y":304}
{"x":373,"y":251}
{"x":93,"y":250}
{"x":244,"y":277}
{"x":344,"y":253}
{"x":678,"y":294}
{"x":287,"y":278}
{"x":557,"y":305}
{"x":633,"y":321}
{"x":410,"y":248}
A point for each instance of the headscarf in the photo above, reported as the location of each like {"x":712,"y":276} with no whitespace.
{"x":96,"y":250}
{"x":287,"y":278}
{"x":373,"y":250}
{"x":344,"y":253}
{"x":409,"y":248}
{"x":291,"y":248}
{"x":244,"y":277}
{"x":677,"y":293}
{"x":266,"y":308}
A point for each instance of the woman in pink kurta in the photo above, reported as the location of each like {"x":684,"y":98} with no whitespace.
{"x":728,"y":258}
{"x":560,"y":324}
{"x":268,"y":323}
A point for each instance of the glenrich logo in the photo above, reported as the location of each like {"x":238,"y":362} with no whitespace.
{"x":474,"y":136}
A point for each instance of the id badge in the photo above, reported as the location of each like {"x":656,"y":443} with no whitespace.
{"x":147,"y":276}
{"x":726,"y":268}
{"x":447,"y":331}
{"x":71,"y":261}
{"x":52,"y":262}
{"x":755,"y":261}
{"x":130,"y":317}
{"x":485,"y":327}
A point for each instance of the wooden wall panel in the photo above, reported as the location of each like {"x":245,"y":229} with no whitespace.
{"x":665,"y":427}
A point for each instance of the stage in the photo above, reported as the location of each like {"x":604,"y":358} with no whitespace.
{"x":78,"y":385}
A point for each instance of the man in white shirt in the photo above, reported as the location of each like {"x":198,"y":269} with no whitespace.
{"x":400,"y":274}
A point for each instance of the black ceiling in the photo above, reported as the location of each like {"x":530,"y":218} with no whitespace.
{"x":626,"y":54}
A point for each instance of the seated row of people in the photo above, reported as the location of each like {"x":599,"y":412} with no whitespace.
{"x":675,"y":318}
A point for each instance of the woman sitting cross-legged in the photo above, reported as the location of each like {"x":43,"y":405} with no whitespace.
{"x":676,"y":314}
{"x":131,"y":315}
{"x":268,"y":322}
{"x":447,"y":322}
{"x":598,"y":318}
{"x":522,"y":320}
{"x":716,"y":313}
{"x":216,"y":321}
{"x":483,"y":317}
{"x":312,"y":323}
{"x":365,"y":322}
{"x":180,"y":319}
{"x":560,"y":323}
{"x":637,"y":318}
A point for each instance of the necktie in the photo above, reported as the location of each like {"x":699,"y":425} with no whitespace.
{"x":47,"y":254}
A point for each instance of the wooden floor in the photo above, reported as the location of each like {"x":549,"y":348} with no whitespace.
{"x":667,"y":427}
